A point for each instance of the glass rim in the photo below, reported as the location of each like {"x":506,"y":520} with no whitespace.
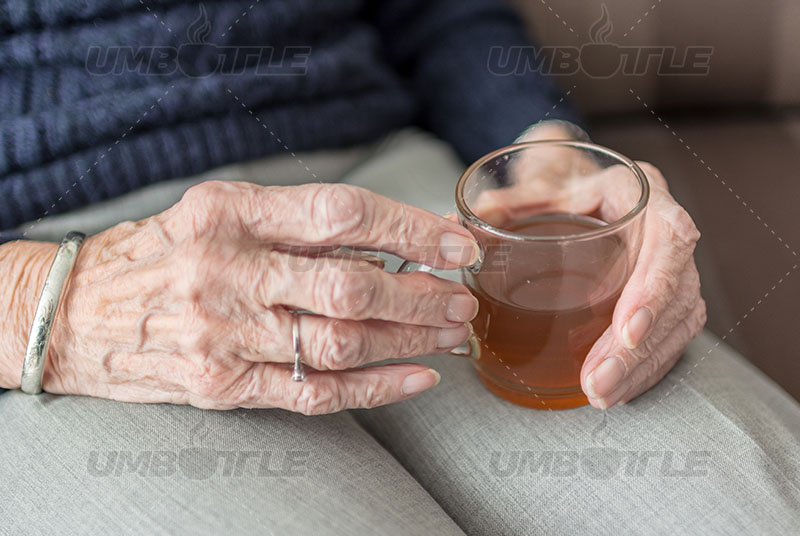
{"x":610,"y":228}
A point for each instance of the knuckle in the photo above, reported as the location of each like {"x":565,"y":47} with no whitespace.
{"x":341,"y":346}
{"x":404,"y":230}
{"x":682,"y":226}
{"x":664,"y":283}
{"x":430,"y":286}
{"x":686,"y":300}
{"x":419,"y":341}
{"x":648,"y":168}
{"x":375,"y":394}
{"x":318,"y":398}
{"x":200,"y":193}
{"x":649,"y":365}
{"x":430,"y":296}
{"x":645,"y":351}
{"x":339,"y":210}
{"x":654,"y":175}
{"x":685,"y":307}
{"x":201,"y":203}
{"x":349,"y":295}
{"x":701,"y":317}
{"x":413,"y":341}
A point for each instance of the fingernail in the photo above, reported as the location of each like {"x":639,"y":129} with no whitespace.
{"x":420,"y":381}
{"x":458,"y":249}
{"x":634,"y":331}
{"x":461,"y":308}
{"x":611,"y":400}
{"x":452,"y":337}
{"x":605,"y":377}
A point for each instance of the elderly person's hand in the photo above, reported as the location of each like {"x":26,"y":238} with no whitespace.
{"x":660,"y":309}
{"x":192,"y":306}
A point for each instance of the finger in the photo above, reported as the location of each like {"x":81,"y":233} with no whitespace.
{"x":681,"y":306}
{"x":268,"y":385}
{"x":674,"y":348}
{"x":650,"y":370}
{"x":605,"y":193}
{"x":338,"y":214}
{"x":331,"y":344}
{"x":354,"y":290}
{"x":609,"y":361}
{"x":684,"y":303}
{"x":669,"y":241}
{"x":504,"y":205}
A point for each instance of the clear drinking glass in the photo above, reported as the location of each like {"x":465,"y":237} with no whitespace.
{"x":560,"y":225}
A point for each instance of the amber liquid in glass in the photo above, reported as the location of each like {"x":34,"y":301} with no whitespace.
{"x":538,"y":320}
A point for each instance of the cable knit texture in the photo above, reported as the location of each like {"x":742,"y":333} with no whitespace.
{"x":81,"y":122}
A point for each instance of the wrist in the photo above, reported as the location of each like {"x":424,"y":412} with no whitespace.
{"x":24,"y":267}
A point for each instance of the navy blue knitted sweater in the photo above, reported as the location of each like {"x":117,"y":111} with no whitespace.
{"x":100,"y":97}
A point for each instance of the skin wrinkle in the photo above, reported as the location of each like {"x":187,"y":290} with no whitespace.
{"x":689,"y":327}
{"x":106,"y":362}
{"x":662,"y":352}
{"x":24,"y":267}
{"x":161,"y":233}
{"x":141,"y":330}
{"x":651,"y":349}
{"x":113,"y":268}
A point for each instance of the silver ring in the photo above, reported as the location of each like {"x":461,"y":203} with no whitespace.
{"x":298,"y":374}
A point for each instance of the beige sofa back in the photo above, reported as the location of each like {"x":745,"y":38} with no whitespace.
{"x":755,"y":58}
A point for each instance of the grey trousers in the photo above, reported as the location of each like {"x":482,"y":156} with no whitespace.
{"x":712,"y":449}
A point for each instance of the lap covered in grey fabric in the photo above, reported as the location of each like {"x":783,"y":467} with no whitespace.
{"x":714,"y":448}
{"x":76,"y":465}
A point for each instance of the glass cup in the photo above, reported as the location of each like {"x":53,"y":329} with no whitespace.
{"x":559,"y":225}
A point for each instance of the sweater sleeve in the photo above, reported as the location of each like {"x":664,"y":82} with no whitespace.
{"x":443,"y":49}
{"x":7,"y":236}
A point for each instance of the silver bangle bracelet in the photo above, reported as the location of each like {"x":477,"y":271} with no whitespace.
{"x":42,"y":328}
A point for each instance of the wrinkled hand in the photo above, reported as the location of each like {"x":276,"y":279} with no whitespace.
{"x":660,"y":309}
{"x":192,"y":305}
